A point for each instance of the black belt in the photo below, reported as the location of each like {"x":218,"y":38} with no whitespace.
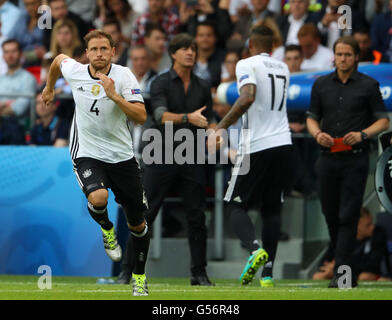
{"x":342,"y":153}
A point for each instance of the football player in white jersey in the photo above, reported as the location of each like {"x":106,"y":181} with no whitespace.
{"x":106,"y":96}
{"x":266,"y":142}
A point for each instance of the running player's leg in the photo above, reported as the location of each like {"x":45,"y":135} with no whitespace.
{"x":156,"y":183}
{"x":92,"y":178}
{"x":276,"y":180}
{"x":243,"y":227}
{"x":129,"y":192}
{"x":97,"y":207}
{"x":242,"y":194}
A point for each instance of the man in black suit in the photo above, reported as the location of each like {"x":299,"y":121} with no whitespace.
{"x":290,"y":24}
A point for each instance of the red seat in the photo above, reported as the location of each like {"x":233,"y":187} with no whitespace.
{"x":36,"y":72}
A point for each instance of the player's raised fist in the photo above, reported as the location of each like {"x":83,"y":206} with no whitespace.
{"x":47,"y":95}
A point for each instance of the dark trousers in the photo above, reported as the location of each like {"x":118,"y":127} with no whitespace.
{"x":342,"y":179}
{"x":262,"y":189}
{"x":189,"y":181}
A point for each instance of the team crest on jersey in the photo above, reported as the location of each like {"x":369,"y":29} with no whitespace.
{"x":87,"y":173}
{"x":95,"y":89}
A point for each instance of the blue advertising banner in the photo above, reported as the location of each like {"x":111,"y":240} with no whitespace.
{"x":298,"y":94}
{"x":44,"y":218}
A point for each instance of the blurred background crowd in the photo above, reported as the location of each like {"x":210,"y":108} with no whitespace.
{"x":305,"y":31}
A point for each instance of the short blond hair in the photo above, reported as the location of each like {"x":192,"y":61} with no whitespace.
{"x":98,"y":34}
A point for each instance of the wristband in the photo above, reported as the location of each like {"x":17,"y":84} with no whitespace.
{"x":315,"y":136}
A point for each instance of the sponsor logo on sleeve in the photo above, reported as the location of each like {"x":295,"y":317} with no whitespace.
{"x":245,"y":76}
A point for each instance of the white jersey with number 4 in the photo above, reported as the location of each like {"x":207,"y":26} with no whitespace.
{"x":266,"y":119}
{"x":100,"y":128}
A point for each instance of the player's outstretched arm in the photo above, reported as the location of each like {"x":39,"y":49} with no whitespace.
{"x":244,"y":101}
{"x":135,"y":111}
{"x":53,"y":75}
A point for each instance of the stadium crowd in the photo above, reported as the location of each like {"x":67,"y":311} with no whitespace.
{"x":141,"y":31}
{"x":304,"y":34}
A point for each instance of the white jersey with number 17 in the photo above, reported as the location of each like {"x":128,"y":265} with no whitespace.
{"x":266,"y":119}
{"x":100,"y":128}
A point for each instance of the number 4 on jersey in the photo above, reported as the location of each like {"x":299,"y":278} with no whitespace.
{"x":96,"y":110}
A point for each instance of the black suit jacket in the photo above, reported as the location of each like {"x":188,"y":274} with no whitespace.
{"x":284,"y":24}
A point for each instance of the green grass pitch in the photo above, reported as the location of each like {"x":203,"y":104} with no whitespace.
{"x":83,"y":288}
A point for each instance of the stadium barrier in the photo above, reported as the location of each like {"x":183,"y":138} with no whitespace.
{"x":44,"y":220}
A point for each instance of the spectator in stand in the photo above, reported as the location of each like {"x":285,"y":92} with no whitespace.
{"x":49,"y":129}
{"x":140,"y":7}
{"x":113,"y":28}
{"x":209,"y":57}
{"x":80,"y":54}
{"x":174,"y":6}
{"x":369,"y":253}
{"x":381,"y":34}
{"x":238,"y":8}
{"x":290,"y":24}
{"x":245,"y":22}
{"x":15,"y":81}
{"x":367,"y":8}
{"x":29,"y":35}
{"x":156,"y":13}
{"x":229,"y":64}
{"x":59,"y":10}
{"x":366,"y":53}
{"x":119,"y":10}
{"x":277,"y":44}
{"x":316,"y":56}
{"x":328,"y":19}
{"x":64,"y":38}
{"x":155,"y":42}
{"x":10,"y":16}
{"x":3,"y":65}
{"x":293,"y":57}
{"x":215,"y":11}
{"x":144,"y":73}
{"x":85,"y":9}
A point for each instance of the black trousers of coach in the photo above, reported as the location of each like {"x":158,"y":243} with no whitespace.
{"x":342,"y":178}
{"x":189,"y":181}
